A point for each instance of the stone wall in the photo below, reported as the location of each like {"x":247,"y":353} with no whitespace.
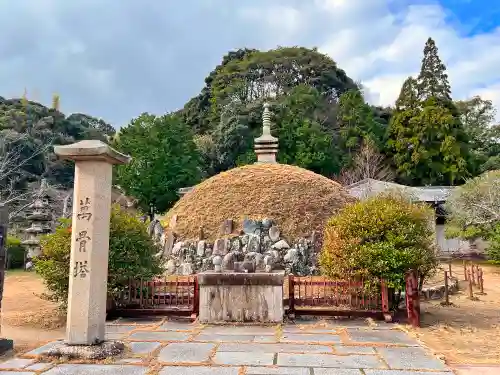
{"x":260,"y":242}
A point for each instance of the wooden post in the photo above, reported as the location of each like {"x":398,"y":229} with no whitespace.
{"x":446,"y":289}
{"x":385,"y":301}
{"x":196,"y":299}
{"x":481,"y":282}
{"x":412,"y":298}
{"x":449,"y":269}
{"x":465,"y":271}
{"x":291,"y":293}
{"x":473,"y":274}
{"x":471,"y":293}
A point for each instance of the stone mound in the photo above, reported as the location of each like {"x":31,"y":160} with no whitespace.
{"x":299,"y":201}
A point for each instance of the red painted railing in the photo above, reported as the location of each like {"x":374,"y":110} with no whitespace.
{"x":412,"y":297}
{"x":164,"y":296}
{"x":320,"y":296}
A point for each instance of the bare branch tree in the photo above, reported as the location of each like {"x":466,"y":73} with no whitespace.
{"x":368,"y":163}
{"x":13,"y":150}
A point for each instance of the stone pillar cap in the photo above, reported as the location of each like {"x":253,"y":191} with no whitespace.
{"x":91,"y":150}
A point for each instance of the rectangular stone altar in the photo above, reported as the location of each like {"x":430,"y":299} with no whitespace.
{"x":241,"y":297}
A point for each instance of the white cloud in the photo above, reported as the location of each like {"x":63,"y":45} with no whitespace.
{"x":380,"y":43}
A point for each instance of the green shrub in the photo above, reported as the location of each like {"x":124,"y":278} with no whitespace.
{"x":15,"y":253}
{"x":131,"y":255}
{"x":381,"y":237}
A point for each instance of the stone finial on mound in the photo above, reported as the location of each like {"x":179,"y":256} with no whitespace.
{"x":266,"y":146}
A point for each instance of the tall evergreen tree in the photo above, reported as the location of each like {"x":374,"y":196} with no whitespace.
{"x":356,"y":123}
{"x":426,"y":136}
{"x":433,"y":80}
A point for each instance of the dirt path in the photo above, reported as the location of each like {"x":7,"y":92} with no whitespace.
{"x":26,"y":318}
{"x":468,"y":331}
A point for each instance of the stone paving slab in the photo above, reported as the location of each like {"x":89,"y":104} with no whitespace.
{"x":329,"y":360}
{"x":274,"y":348}
{"x":341,"y":349}
{"x":403,"y":372}
{"x":199,"y":370}
{"x":243,"y":359}
{"x":410,"y":358}
{"x":278,"y":371}
{"x":381,"y":337}
{"x":178,"y":326}
{"x":186,"y":352}
{"x":39,"y":366}
{"x":240,"y":330}
{"x":17,"y":373}
{"x":143,"y":347}
{"x":305,"y":329}
{"x":43,"y":349}
{"x":114,"y":328}
{"x":96,"y":370}
{"x":340,"y":371}
{"x":159,"y":336}
{"x":225,"y":338}
{"x":303,"y":337}
{"x":16,"y":364}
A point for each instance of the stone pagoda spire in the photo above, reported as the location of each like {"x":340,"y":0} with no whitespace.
{"x":266,"y":146}
{"x":40,"y":218}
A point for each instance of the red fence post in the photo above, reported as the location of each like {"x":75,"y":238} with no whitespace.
{"x":412,"y":298}
{"x":196,"y":299}
{"x":385,"y":301}
{"x":291,"y":294}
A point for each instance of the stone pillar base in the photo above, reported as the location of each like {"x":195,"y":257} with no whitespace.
{"x":6,"y":345}
{"x":241,"y":297}
{"x":101,"y":351}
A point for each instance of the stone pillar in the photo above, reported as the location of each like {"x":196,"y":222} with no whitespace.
{"x":5,"y":344}
{"x":89,"y":239}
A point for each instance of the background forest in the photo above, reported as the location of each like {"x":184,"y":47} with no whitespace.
{"x":321,"y":117}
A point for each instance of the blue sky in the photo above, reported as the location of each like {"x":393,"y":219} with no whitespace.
{"x":116,"y":59}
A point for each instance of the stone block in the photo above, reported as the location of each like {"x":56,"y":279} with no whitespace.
{"x":305,"y":337}
{"x":186,"y":352}
{"x":17,"y":373}
{"x":241,"y":297}
{"x":274,"y":348}
{"x":199,"y":370}
{"x":410,"y":358}
{"x":143,"y":347}
{"x":96,"y":369}
{"x":243,"y":359}
{"x":329,"y":360}
{"x":159,"y":336}
{"x":274,"y":233}
{"x":277,"y":371}
{"x":381,"y":337}
{"x":227,"y":227}
{"x":16,"y":364}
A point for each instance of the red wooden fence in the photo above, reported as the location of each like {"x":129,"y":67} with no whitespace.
{"x":320,"y":296}
{"x":167,"y":296}
{"x":302,"y":296}
{"x":412,"y":299}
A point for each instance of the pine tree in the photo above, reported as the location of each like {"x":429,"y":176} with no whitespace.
{"x":426,"y":136}
{"x":433,"y":80}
